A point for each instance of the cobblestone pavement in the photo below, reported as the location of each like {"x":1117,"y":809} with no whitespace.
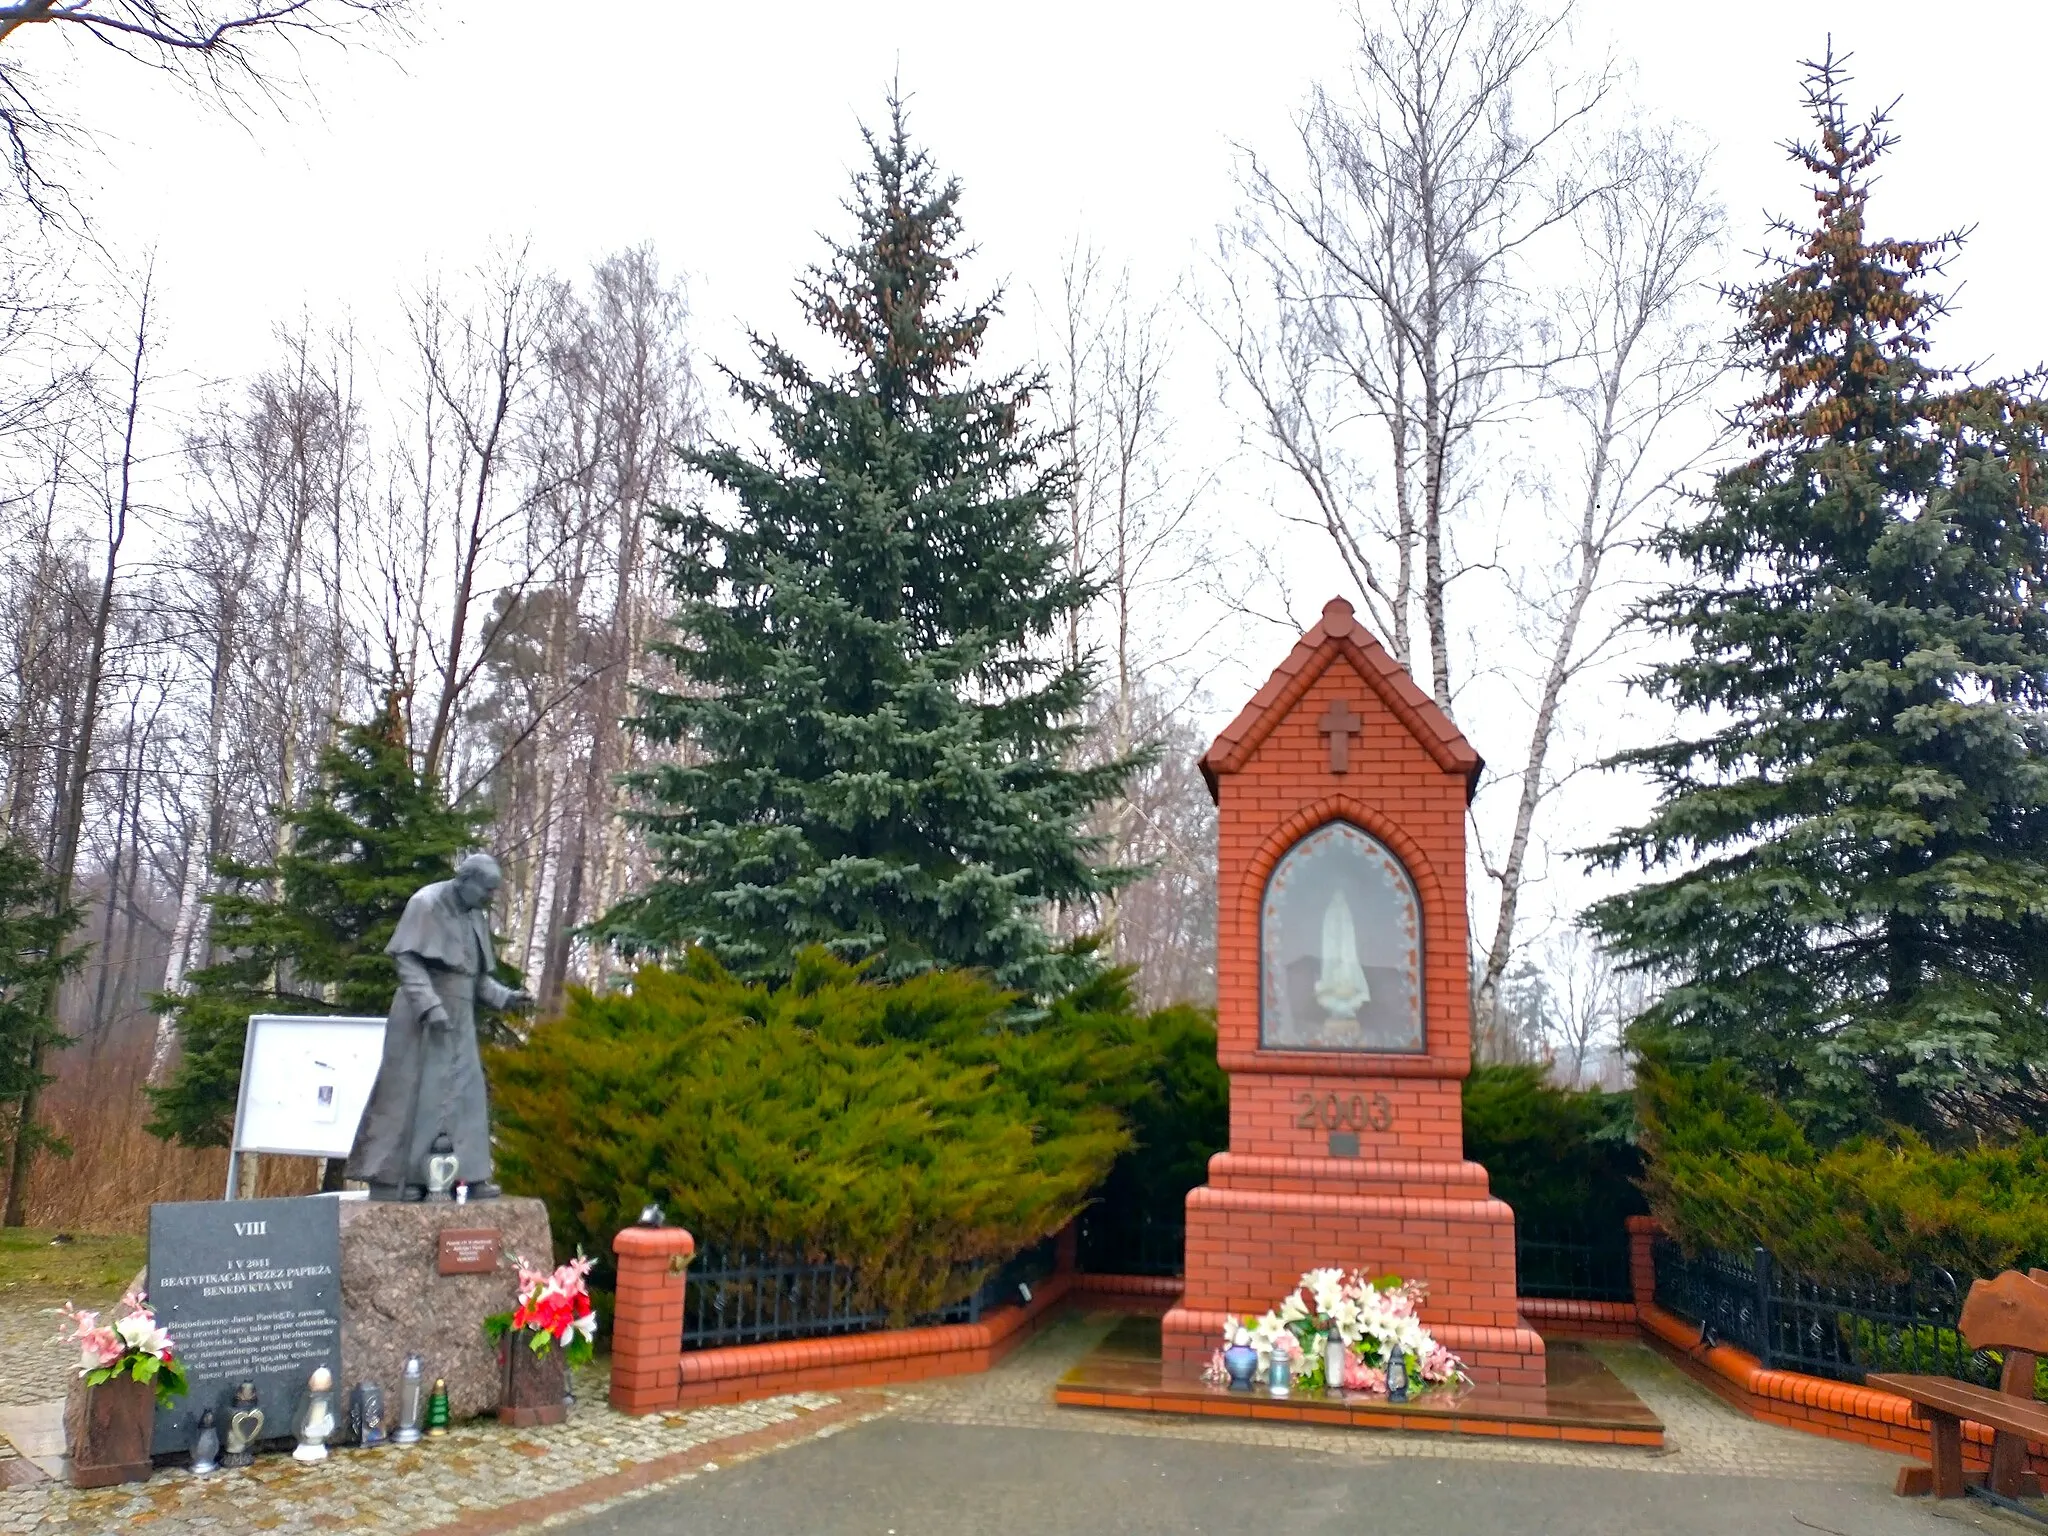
{"x":36,"y":1369}
{"x":595,"y":1471}
{"x":391,"y":1491}
{"x":991,"y":1454}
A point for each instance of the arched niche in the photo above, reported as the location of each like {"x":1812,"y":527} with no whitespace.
{"x":1340,"y":947}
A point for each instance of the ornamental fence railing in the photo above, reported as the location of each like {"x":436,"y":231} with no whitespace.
{"x":1573,"y":1263}
{"x":1113,"y":1242}
{"x":746,"y":1296}
{"x":1836,"y":1327}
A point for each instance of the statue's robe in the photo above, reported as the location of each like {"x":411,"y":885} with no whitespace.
{"x":431,"y":1079}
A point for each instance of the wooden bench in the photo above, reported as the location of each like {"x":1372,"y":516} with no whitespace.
{"x":2009,"y":1314}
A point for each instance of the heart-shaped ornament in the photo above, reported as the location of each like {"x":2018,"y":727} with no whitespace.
{"x":247,"y":1425}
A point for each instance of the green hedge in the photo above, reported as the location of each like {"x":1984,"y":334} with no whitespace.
{"x":1179,"y":1119}
{"x":1729,"y":1168}
{"x":913,"y":1130}
{"x":1564,"y":1158}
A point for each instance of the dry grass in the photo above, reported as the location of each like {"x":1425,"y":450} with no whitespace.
{"x":116,"y":1169}
{"x":90,"y":1268}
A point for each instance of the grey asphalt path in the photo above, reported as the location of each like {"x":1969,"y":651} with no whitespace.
{"x":899,"y":1477}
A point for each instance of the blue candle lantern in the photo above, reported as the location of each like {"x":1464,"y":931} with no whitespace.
{"x":1397,"y":1378}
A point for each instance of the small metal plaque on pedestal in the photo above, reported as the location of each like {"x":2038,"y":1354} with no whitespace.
{"x":469,"y":1250}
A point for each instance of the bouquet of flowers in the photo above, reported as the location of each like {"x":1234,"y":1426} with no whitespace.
{"x":1375,"y":1321}
{"x":132,"y":1345}
{"x":554,"y":1309}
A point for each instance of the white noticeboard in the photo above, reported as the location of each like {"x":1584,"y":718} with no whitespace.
{"x":306,"y":1079}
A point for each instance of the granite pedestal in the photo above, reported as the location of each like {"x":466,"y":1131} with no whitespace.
{"x":394,"y":1301}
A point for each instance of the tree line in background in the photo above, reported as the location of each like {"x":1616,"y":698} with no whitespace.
{"x":897,"y":674}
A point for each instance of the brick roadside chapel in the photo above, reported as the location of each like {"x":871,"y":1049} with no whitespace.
{"x":1343,"y":1014}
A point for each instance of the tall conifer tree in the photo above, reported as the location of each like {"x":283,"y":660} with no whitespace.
{"x":1859,"y":915}
{"x":879,"y":718}
{"x":372,"y":832}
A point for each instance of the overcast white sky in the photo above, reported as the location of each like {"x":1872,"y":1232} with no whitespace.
{"x":724,"y":134}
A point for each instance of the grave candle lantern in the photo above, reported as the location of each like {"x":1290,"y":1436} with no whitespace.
{"x":437,"y":1409}
{"x":442,"y":1167}
{"x":206,"y":1447}
{"x":1397,"y":1378}
{"x":1279,"y":1374}
{"x":412,"y":1401}
{"x":245,"y":1427}
{"x":366,"y":1414}
{"x":316,"y":1417}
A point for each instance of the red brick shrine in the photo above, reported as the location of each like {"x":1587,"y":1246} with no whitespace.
{"x":1343,"y":1012}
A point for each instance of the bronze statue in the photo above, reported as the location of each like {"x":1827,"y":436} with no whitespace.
{"x":431,"y":1081}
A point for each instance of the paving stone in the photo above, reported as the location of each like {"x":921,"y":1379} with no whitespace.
{"x":484,"y":1466}
{"x":480,"y":1466}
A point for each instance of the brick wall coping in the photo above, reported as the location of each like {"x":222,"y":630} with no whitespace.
{"x":1297,"y":1203}
{"x":1450,"y":1177}
{"x":1743,"y":1371}
{"x":666,"y":1242}
{"x":1128,"y":1285}
{"x":1340,"y":1063}
{"x":743,"y":1360}
{"x":1558,"y":1309}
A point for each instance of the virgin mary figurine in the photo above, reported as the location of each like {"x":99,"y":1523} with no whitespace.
{"x":1340,"y":987}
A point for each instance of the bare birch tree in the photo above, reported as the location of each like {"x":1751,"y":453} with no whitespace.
{"x":1380,"y":285}
{"x":1638,"y":362}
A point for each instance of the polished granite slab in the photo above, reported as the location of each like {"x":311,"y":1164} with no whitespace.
{"x":1583,"y":1401}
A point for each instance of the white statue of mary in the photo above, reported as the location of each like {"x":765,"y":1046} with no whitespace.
{"x":1340,"y":986}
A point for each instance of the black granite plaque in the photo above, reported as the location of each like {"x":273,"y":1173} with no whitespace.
{"x":250,"y":1291}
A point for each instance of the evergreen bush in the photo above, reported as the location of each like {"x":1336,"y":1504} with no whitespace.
{"x":912,"y":1130}
{"x":1563,"y":1158}
{"x":1179,"y":1120}
{"x":1729,"y":1168}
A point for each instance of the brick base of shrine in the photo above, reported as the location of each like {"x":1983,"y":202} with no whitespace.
{"x":1261,"y":1222}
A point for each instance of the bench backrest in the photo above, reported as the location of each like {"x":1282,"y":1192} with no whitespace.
{"x":2010,"y":1312}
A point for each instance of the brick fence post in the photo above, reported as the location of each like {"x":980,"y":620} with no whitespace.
{"x":647,"y":1322}
{"x":1643,"y":1231}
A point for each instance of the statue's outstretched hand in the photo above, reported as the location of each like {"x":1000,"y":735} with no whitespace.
{"x":519,"y":1000}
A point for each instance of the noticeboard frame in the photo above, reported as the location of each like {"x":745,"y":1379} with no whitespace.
{"x":240,"y":1141}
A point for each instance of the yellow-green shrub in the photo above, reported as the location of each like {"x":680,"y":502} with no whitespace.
{"x":912,"y":1130}
{"x":1728,"y":1168}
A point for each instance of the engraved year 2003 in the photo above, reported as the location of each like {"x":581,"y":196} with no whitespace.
{"x":1333,"y":1113}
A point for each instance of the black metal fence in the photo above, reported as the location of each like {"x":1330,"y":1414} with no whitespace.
{"x":1838,"y":1328}
{"x":1573,"y":1264}
{"x":743,"y":1296}
{"x":1127,"y":1242}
